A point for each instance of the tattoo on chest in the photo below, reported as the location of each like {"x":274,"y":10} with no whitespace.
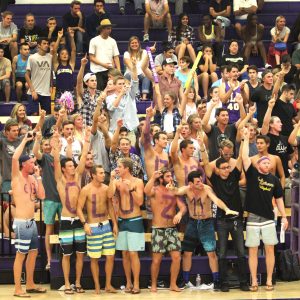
{"x":71,"y":209}
{"x":94,"y":208}
{"x":159,"y":162}
{"x":130,"y":210}
{"x":198,"y":202}
{"x":169,"y":201}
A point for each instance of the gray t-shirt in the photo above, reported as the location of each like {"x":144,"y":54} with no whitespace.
{"x":7,"y":32}
{"x":99,"y":151}
{"x":160,"y":58}
{"x":47,"y":164}
{"x":40,"y":68}
{"x":7,"y":150}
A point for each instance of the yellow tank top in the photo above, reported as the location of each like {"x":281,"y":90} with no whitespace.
{"x":212,"y":35}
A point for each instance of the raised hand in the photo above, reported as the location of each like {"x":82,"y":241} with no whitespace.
{"x":150,"y":112}
{"x":156,"y":174}
{"x":252,"y":109}
{"x":238,"y":98}
{"x":272,"y":102}
{"x":60,"y":33}
{"x":119,"y":123}
{"x":87,"y":134}
{"x":84,"y":60}
{"x":153,"y":48}
{"x":245,"y":132}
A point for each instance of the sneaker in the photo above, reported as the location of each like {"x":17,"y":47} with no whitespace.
{"x":217,"y":285}
{"x":122,"y":10}
{"x":169,"y":38}
{"x":267,"y":66}
{"x":160,"y":284}
{"x":244,"y":287}
{"x":224,"y":287}
{"x":189,"y":285}
{"x":146,"y":37}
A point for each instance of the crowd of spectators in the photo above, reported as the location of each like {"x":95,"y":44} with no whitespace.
{"x":229,"y":124}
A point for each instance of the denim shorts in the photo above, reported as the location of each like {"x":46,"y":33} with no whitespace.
{"x":26,"y":235}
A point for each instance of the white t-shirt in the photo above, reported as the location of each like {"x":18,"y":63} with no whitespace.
{"x":282,"y":33}
{"x":156,"y":7}
{"x":237,"y":4}
{"x":168,"y":123}
{"x":104,"y":50}
{"x":76,"y":148}
{"x":138,"y":62}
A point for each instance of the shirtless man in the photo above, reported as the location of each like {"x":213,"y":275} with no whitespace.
{"x":201,"y":224}
{"x":164,"y":233}
{"x":276,"y":168}
{"x":100,"y":237}
{"x":185,"y":163}
{"x":131,"y":237}
{"x":68,"y":179}
{"x":26,"y":188}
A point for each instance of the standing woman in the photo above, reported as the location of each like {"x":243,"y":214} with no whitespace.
{"x":183,"y":37}
{"x":135,"y":51}
{"x":190,"y":98}
{"x":78,"y":127}
{"x":280,"y":35}
{"x":64,"y":65}
{"x":207,"y":66}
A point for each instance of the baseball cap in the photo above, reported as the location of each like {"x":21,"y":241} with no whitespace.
{"x":24,"y":158}
{"x":168,"y":61}
{"x":87,"y":77}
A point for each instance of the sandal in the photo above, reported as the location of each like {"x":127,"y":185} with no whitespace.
{"x":253,"y":288}
{"x":22,"y":295}
{"x":79,"y":290}
{"x":38,"y":290}
{"x":269,"y":287}
{"x":68,"y":291}
{"x":135,"y":291}
{"x":128,"y":290}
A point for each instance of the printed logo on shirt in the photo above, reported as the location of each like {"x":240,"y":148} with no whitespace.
{"x":264,"y":185}
{"x":43,"y":65}
{"x":281,"y":148}
{"x":10,"y":149}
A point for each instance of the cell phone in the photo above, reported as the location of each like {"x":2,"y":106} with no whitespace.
{"x":33,"y":134}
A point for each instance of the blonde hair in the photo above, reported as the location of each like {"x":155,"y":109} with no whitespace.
{"x":138,"y":56}
{"x":278,"y":19}
{"x":14,"y":111}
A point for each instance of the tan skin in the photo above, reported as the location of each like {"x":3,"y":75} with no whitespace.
{"x":160,"y":202}
{"x":130,"y":190}
{"x":26,"y":188}
{"x":94,"y":195}
{"x":69,"y":177}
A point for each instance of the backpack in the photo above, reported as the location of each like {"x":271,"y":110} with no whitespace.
{"x":289,"y":266}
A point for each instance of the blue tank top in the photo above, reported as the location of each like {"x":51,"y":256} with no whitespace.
{"x":64,"y":78}
{"x":231,"y":105}
{"x":21,"y":67}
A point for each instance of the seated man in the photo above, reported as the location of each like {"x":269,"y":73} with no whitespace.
{"x":241,"y":9}
{"x":8,"y":35}
{"x":168,"y":52}
{"x":30,"y":33}
{"x":157,"y":14}
{"x":137,"y":6}
{"x":5,"y":72}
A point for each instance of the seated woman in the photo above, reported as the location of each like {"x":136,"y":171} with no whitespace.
{"x":252,"y":35}
{"x":183,"y":37}
{"x":19,"y":113}
{"x":210,"y":33}
{"x":64,"y":65}
{"x":183,"y":72}
{"x":280,"y":35}
{"x":135,"y":51}
{"x":207,"y":66}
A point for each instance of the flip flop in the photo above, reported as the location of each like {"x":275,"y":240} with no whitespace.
{"x":23,"y":295}
{"x":112,"y":291}
{"x":269,"y":287}
{"x":253,"y":288}
{"x":36,"y":291}
{"x":68,"y":291}
{"x":79,"y":290}
{"x":135,"y":291}
{"x":128,"y":290}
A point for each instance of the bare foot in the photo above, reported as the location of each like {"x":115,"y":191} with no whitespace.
{"x":110,"y":289}
{"x":175,"y":288}
{"x":153,"y":289}
{"x":97,"y":291}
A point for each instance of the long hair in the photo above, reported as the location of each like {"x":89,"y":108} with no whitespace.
{"x":58,"y":56}
{"x":138,"y":56}
{"x":179,"y":25}
{"x":13,"y":113}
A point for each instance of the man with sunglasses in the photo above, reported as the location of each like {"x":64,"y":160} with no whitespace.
{"x":225,"y":183}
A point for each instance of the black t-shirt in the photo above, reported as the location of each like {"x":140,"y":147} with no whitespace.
{"x":261,"y":97}
{"x":285,"y":111}
{"x":237,"y":59}
{"x":252,"y":89}
{"x":219,"y":6}
{"x":228,"y":191}
{"x":71,"y":21}
{"x":30,"y":35}
{"x":261,"y":188}
{"x":215,"y":137}
{"x":54,"y":33}
{"x":280,"y":146}
{"x":202,"y":62}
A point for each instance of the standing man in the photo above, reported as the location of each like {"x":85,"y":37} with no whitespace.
{"x":27,"y":187}
{"x":38,"y":78}
{"x":164,"y":236}
{"x":100,"y":236}
{"x":75,"y":20}
{"x":260,"y":222}
{"x":104,"y":54}
{"x":71,"y":233}
{"x":131,"y":238}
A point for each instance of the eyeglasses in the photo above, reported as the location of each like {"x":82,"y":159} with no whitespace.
{"x":225,"y":168}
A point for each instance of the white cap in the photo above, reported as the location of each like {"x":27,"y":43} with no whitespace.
{"x":87,"y":77}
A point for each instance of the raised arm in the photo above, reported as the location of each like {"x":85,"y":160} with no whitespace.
{"x":60,"y":34}
{"x":293,"y":136}
{"x":56,"y":156}
{"x":240,"y":101}
{"x":41,"y":121}
{"x":37,"y":146}
{"x":224,"y":96}
{"x":267,"y":118}
{"x":96,"y":114}
{"x":149,"y":187}
{"x":159,"y":100}
{"x":79,"y":83}
{"x":174,"y":147}
{"x":73,"y":49}
{"x":245,"y":151}
{"x":243,"y":122}
{"x":205,"y":121}
{"x":204,"y":156}
{"x":115,"y":138}
{"x":85,"y":149}
{"x":146,"y":130}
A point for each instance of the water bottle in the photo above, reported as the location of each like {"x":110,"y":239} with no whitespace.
{"x":198,"y":280}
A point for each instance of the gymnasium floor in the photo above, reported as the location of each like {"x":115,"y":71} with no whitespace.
{"x":283,"y":290}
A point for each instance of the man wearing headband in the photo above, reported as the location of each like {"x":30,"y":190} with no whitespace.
{"x":27,"y":187}
{"x":262,"y":186}
{"x":225,"y":179}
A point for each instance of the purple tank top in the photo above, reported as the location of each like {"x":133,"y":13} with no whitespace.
{"x":232,"y":106}
{"x":64,"y":78}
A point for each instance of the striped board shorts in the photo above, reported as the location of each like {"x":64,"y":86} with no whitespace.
{"x":259,"y":228}
{"x":102,"y":241}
